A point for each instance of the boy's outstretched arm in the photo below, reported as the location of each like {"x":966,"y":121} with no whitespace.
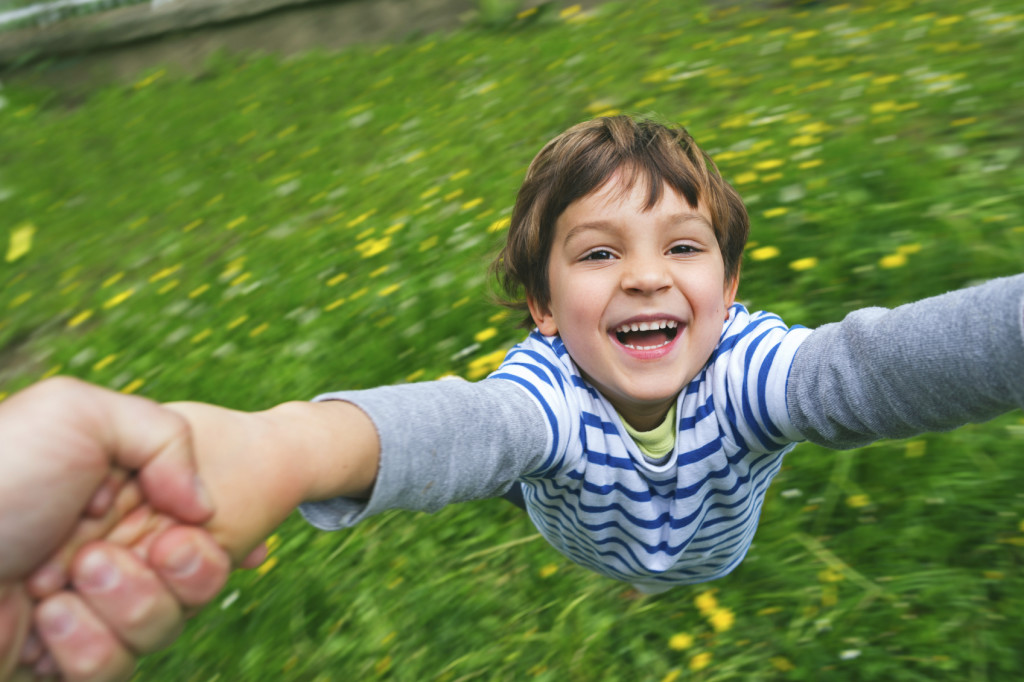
{"x":927,"y":366}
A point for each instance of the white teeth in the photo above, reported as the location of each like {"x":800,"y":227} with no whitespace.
{"x":631,"y":346}
{"x":647,"y":326}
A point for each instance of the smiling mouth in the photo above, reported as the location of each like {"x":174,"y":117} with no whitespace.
{"x":647,"y":335}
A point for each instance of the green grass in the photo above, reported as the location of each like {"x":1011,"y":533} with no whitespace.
{"x":270,"y":229}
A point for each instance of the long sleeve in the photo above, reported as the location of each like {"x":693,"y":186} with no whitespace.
{"x":932,"y":365}
{"x":441,"y":442}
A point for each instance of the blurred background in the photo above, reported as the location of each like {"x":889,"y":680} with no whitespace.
{"x":247,"y":203}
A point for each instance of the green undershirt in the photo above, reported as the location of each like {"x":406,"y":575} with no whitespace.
{"x":659,"y":441}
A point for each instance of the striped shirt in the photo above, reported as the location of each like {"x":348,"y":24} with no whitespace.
{"x":686,"y":518}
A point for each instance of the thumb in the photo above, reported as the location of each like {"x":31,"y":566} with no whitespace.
{"x":142,"y":435}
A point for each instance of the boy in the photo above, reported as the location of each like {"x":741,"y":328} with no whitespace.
{"x":646,"y":414}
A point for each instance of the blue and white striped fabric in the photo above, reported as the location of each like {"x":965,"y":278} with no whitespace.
{"x":689,"y":517}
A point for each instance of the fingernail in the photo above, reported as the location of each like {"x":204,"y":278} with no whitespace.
{"x":203,"y":495}
{"x":97,"y":573}
{"x":183,"y":561}
{"x":55,"y":620}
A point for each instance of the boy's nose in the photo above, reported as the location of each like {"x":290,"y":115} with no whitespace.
{"x":645,"y":276}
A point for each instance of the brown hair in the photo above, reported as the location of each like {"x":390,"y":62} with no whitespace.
{"x":580,"y":161}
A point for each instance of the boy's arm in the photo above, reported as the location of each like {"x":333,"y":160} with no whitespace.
{"x":932,"y":365}
{"x":441,"y":442}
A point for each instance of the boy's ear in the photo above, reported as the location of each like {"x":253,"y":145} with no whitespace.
{"x":730,"y":292}
{"x":542,"y":317}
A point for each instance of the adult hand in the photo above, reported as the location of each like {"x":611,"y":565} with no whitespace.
{"x":61,"y":439}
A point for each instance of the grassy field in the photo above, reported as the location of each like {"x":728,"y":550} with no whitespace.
{"x":271,"y":229}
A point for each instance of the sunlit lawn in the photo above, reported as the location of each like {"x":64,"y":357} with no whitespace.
{"x":272,"y":229}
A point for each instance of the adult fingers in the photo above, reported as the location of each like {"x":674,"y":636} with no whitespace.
{"x":128,"y":597}
{"x":83,"y":647}
{"x":15,"y":615}
{"x":52,"y":575}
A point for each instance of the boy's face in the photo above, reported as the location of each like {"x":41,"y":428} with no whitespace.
{"x":615,"y":268}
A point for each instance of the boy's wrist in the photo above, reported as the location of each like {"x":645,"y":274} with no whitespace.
{"x":331,"y":447}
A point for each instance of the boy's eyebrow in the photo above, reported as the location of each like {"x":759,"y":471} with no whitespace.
{"x":609,"y":226}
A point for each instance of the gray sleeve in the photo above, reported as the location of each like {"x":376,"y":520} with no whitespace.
{"x":441,"y":442}
{"x":932,"y":365}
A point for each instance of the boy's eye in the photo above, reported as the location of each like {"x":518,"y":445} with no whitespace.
{"x":598,"y":254}
{"x":683,"y":248}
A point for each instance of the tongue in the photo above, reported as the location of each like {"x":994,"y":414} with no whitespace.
{"x":648,"y":338}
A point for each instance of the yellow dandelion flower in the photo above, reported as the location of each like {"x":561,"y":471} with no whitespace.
{"x":776,"y":212}
{"x":245,"y":138}
{"x":118,"y":299}
{"x":237,"y":322}
{"x":722,"y":619}
{"x":337,"y":279}
{"x":266,"y":156}
{"x":237,"y":221}
{"x":380,"y":271}
{"x":132,"y":386}
{"x":273,"y":542}
{"x":192,"y":225}
{"x":150,"y":79}
{"x":453,"y":194}
{"x":894,"y":260}
{"x":287,"y":131}
{"x":259,"y":330}
{"x":388,"y":290}
{"x":499,"y":225}
{"x":680,"y":641}
{"x":769,"y":164}
{"x":199,"y":291}
{"x":805,"y":35}
{"x":428,"y":243}
{"x":394,"y":228}
{"x":337,"y":303}
{"x":831,"y":576}
{"x":706,"y":602}
{"x":885,"y":80}
{"x":883,"y":107}
{"x":426,"y":194}
{"x":764,"y":253}
{"x":167,"y":287}
{"x":769,"y":610}
{"x":360,"y":219}
{"x":485,"y":334}
{"x":267,"y":566}
{"x":804,"y":141}
{"x":472,"y":203}
{"x":915,"y":448}
{"x":965,"y":121}
{"x":485,"y":364}
{"x":672,"y":675}
{"x":858,"y":501}
{"x":700,"y":661}
{"x":993,"y":575}
{"x":79,"y":318}
{"x":112,"y":280}
{"x":21,"y":242}
{"x":1022,"y":526}
{"x":105,"y":362}
{"x":202,"y":336}
{"x":20,"y":299}
{"x":771,"y":177}
{"x":782,"y":664}
{"x":164,"y":274}
{"x":548,"y":570}
{"x":802,"y":264}
{"x":810,"y":163}
{"x":371,"y":247}
{"x":570,"y":11}
{"x":53,"y":371}
{"x":746,"y":178}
